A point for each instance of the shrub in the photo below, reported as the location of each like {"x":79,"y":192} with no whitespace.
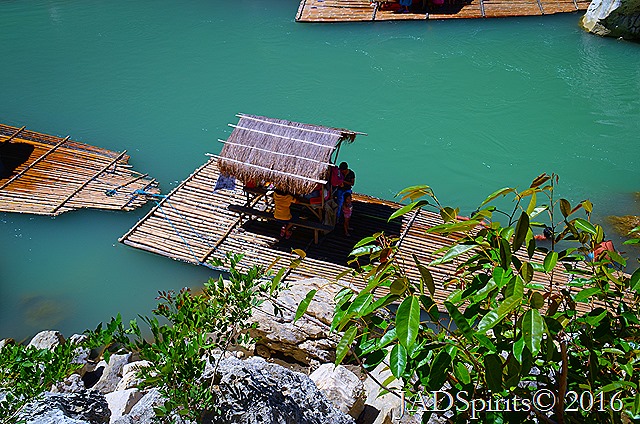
{"x":504,"y":338}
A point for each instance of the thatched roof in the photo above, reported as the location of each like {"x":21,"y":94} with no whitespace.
{"x":294,"y":156}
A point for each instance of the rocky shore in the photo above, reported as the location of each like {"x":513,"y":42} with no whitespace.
{"x":287,"y":377}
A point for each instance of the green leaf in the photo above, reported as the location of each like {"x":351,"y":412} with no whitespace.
{"x":634,"y":281}
{"x":495,"y":316}
{"x":430,"y":306}
{"x":408,"y":208}
{"x":617,"y":385}
{"x":550,"y":261}
{"x":460,"y":321}
{"x":585,"y":294}
{"x":462,"y":373}
{"x":496,"y":194}
{"x":426,"y":279}
{"x":521,"y":231}
{"x":453,"y":253}
{"x":345,"y":343}
{"x":585,"y":225}
{"x":565,"y":207}
{"x":452,"y":227}
{"x":532,"y":330}
{"x":439,"y":370}
{"x":276,"y":280}
{"x":302,"y":307}
{"x":360,"y":303}
{"x":449,"y":214}
{"x":518,"y":348}
{"x":536,"y":301}
{"x":416,"y":192}
{"x":366,"y":240}
{"x":398,"y":360}
{"x":493,"y":372}
{"x":505,"y":254}
{"x":399,"y":286}
{"x":408,"y":321}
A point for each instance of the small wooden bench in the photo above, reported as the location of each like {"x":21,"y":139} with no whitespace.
{"x":315,"y":226}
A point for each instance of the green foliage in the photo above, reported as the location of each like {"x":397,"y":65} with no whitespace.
{"x":511,"y":328}
{"x":26,"y":372}
{"x":189,"y":331}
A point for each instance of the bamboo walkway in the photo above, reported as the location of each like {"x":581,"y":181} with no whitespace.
{"x":48,"y":175}
{"x":365,"y":10}
{"x":192,"y":224}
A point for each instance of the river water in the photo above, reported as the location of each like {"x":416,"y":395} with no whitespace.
{"x":464,"y":106}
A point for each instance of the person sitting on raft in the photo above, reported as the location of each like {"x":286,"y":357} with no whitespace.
{"x":282,"y":211}
{"x":342,"y":181}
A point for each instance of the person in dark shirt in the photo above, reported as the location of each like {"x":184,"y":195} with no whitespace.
{"x":348,"y":181}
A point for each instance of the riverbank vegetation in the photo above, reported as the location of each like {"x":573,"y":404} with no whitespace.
{"x":566,"y":353}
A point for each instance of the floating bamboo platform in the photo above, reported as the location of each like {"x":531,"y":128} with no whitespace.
{"x":365,"y":10}
{"x":47,"y":175}
{"x":193,"y":224}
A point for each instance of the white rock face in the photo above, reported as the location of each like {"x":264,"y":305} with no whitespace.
{"x":307,"y":340}
{"x":342,"y":387}
{"x":614,"y":18}
{"x":129,"y":379}
{"x":112,"y":373}
{"x":384,"y":409}
{"x":47,"y":340}
{"x":122,"y":401}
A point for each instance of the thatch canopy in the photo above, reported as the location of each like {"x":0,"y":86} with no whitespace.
{"x":293,"y":156}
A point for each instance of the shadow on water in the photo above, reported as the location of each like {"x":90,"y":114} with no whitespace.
{"x":334,"y":247}
{"x":12,"y":155}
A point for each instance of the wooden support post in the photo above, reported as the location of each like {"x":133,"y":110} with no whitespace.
{"x":482,"y":8}
{"x":53,"y":211}
{"x":540,"y":6}
{"x":14,"y":135}
{"x":32,"y":164}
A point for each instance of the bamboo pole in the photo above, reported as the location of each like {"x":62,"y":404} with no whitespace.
{"x":88,"y":181}
{"x":14,"y":135}
{"x":34,"y":162}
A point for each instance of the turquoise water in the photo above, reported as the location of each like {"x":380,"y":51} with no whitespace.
{"x":466,"y":107}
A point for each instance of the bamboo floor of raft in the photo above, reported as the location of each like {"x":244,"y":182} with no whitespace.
{"x":192,"y":224}
{"x":364,"y":10}
{"x":53,"y":175}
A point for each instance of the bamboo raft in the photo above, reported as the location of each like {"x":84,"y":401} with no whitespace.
{"x":193,"y":224}
{"x":365,"y":10}
{"x":55,"y":175}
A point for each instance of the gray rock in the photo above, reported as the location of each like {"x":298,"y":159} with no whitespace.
{"x":86,"y":407}
{"x":47,"y":340}
{"x":71,"y":384}
{"x":142,"y":411}
{"x":254,"y":391}
{"x":307,"y":340}
{"x":112,"y":373}
{"x":129,"y":379}
{"x":342,"y":387}
{"x":121,"y":402}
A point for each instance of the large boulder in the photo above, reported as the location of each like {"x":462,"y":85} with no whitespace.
{"x":309,"y":339}
{"x":257,"y":392}
{"x":122,"y":401}
{"x":142,"y":412}
{"x":613,"y":18}
{"x":47,"y":340}
{"x":86,"y":407}
{"x":342,"y":387}
{"x":112,"y":373}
